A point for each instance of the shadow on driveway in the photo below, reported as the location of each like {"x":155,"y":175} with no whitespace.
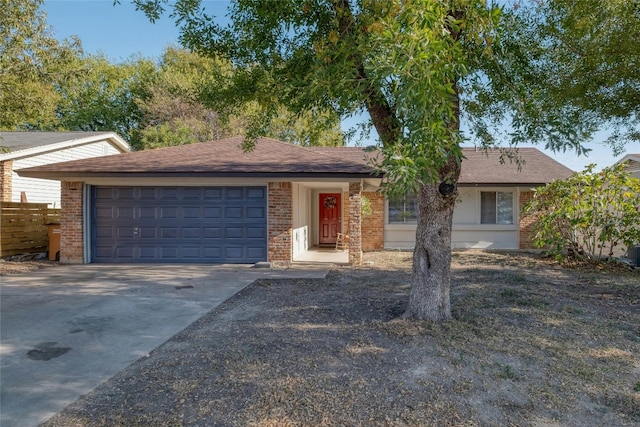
{"x":66,"y":329}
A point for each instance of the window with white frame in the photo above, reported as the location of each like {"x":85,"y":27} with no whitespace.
{"x":403,"y":210}
{"x":496,"y":207}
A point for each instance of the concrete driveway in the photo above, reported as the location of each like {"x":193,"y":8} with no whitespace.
{"x":66,"y":329}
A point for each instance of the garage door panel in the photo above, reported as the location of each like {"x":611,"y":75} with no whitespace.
{"x":213,"y":232}
{"x":123,"y":193}
{"x":179,"y":224}
{"x":234,"y":253}
{"x":168,"y":193}
{"x":147,"y":252}
{"x":147,"y":232}
{"x":191,"y":252}
{"x":104,"y":232}
{"x":256,"y":212}
{"x":104,"y":212}
{"x":191,"y":193}
{"x":234,"y":193}
{"x":212,"y":213}
{"x":191,"y":212}
{"x":256,"y":233}
{"x":213,"y":252}
{"x":147,"y":193}
{"x":255,"y":252}
{"x":103,"y":193}
{"x":191,"y":233}
{"x":168,"y":233}
{"x":213,"y":194}
{"x":169,"y":212}
{"x":147,"y":213}
{"x":234,"y":232}
{"x":124,"y":212}
{"x":256,"y":193}
{"x":233,"y":213}
{"x":125,"y":232}
{"x":125,"y":252}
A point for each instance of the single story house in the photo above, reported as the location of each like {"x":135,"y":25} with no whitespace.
{"x":211,"y":202}
{"x":632,"y":164}
{"x":20,"y":150}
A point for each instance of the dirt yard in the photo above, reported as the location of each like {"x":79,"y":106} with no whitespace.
{"x":532,"y":343}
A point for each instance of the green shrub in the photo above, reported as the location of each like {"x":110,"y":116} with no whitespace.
{"x":587,"y":215}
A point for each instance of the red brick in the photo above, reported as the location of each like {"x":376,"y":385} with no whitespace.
{"x":280,"y":250}
{"x":373,"y":225}
{"x":71,"y":223}
{"x":526,"y":222}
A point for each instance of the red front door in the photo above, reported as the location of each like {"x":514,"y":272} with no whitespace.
{"x":330,"y":217}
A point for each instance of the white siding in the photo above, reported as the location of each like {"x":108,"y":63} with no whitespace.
{"x":468,"y":232}
{"x":301,"y":219}
{"x":48,"y":191}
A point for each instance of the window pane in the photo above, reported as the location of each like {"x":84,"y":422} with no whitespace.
{"x":505,"y":208}
{"x":411,"y":209}
{"x":396,"y":207}
{"x":403,"y":210}
{"x":487,"y":207}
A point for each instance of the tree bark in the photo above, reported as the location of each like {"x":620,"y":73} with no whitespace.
{"x":429,"y":298}
{"x":431,"y":280}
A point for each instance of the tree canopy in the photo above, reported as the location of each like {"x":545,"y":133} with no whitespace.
{"x":185,"y":105}
{"x":419,"y":67}
{"x":32,"y":62}
{"x":50,"y":85}
{"x":592,"y":56}
{"x":563,"y":63}
{"x":104,"y":97}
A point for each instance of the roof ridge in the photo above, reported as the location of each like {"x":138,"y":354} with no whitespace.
{"x":316,"y":150}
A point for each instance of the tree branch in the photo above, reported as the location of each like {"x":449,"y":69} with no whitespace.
{"x":383,"y":115}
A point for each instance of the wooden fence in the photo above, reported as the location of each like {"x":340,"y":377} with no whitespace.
{"x":24,"y":227}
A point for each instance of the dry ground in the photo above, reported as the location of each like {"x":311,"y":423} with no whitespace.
{"x":12,"y":267}
{"x":532,"y":343}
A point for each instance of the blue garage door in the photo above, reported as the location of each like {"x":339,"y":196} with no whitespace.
{"x":179,"y":224}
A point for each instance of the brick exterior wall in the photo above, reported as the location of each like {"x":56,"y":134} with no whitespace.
{"x":526,"y":222}
{"x":6,"y":180}
{"x":355,"y":226}
{"x":71,"y":223}
{"x":373,"y":225}
{"x":345,"y":213}
{"x":280,"y":250}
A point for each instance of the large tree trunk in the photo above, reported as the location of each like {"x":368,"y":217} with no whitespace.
{"x":429,"y":295}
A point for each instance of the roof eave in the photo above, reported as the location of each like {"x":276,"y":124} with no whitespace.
{"x":80,"y":175}
{"x":502,"y":184}
{"x":113,"y":138}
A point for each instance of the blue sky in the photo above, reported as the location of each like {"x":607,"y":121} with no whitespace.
{"x":120,"y":31}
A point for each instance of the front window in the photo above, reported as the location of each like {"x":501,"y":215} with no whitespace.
{"x":403,"y":210}
{"x":496,"y":207}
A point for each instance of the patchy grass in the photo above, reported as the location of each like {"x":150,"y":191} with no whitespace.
{"x":532,"y":343}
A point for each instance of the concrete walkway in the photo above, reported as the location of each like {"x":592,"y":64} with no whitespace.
{"x":66,"y":329}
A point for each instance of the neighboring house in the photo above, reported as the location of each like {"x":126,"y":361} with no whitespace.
{"x":632,"y":164}
{"x":211,"y":202}
{"x":20,"y":150}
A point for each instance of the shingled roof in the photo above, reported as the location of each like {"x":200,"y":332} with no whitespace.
{"x":485,"y":167}
{"x":481,"y":167}
{"x":220,"y":158}
{"x":225,"y":158}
